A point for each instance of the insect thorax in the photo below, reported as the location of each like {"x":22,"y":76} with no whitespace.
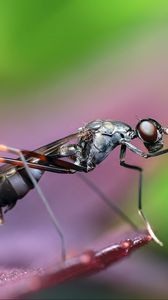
{"x":97,"y":140}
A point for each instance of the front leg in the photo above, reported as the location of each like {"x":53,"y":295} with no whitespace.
{"x":140,"y":171}
{"x":165,"y":151}
{"x":133,"y":148}
{"x":140,"y":152}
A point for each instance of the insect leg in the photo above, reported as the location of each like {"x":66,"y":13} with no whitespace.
{"x":43,"y":198}
{"x":106,"y":200}
{"x":133,"y":148}
{"x":140,"y":170}
{"x":157,"y":153}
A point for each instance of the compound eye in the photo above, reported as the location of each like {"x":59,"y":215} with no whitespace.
{"x":147,"y":131}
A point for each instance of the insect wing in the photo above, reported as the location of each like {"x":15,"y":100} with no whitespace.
{"x":52,"y":147}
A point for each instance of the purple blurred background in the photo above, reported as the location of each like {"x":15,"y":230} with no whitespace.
{"x":125,"y":82}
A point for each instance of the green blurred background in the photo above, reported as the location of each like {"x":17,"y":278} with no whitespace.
{"x":52,"y":53}
{"x":41,"y":40}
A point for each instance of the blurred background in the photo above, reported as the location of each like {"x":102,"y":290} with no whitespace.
{"x":64,"y":63}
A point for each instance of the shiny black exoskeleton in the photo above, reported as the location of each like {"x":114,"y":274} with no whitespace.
{"x":80,"y":152}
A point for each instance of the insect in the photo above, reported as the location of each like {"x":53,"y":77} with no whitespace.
{"x":78,"y":152}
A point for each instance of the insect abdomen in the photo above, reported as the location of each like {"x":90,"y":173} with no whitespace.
{"x":14,"y":185}
{"x":8,"y":196}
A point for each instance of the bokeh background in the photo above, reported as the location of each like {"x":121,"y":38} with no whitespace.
{"x":64,"y":63}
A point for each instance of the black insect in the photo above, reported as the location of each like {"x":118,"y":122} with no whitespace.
{"x":78,"y":152}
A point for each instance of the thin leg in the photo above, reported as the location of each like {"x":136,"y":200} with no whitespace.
{"x":140,"y":170}
{"x":165,"y":151}
{"x":138,"y":151}
{"x":106,"y":200}
{"x":43,"y":198}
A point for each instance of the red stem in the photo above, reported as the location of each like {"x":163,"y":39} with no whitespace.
{"x":90,"y":261}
